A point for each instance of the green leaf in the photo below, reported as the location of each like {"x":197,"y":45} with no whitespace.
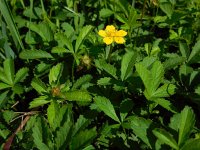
{"x":104,"y":81}
{"x":7,"y":14}
{"x":157,"y":72}
{"x":166,"y":7}
{"x":63,"y":135}
{"x":140,"y":126}
{"x":40,"y":101}
{"x":106,"y":106}
{"x":186,"y":125}
{"x":104,"y":13}
{"x":34,"y":54}
{"x":63,"y":40}
{"x":55,"y":73}
{"x":3,"y":98}
{"x":173,"y":62}
{"x":195,"y":51}
{"x":144,"y":74}
{"x":175,"y":122}
{"x":90,"y":147}
{"x":59,"y":50}
{"x":81,"y":81}
{"x":127,"y":64}
{"x":9,"y":70}
{"x":3,"y":77}
{"x":21,"y":75}
{"x":83,"y":139}
{"x":110,"y":69}
{"x":83,"y":34}
{"x":39,"y":86}
{"x":38,"y":137}
{"x":4,"y":86}
{"x":165,"y":90}
{"x":165,"y":137}
{"x":80,"y":124}
{"x":52,"y":112}
{"x":184,"y":49}
{"x":192,"y":144}
{"x":165,"y":104}
{"x":46,"y":32}
{"x":83,"y":96}
{"x":125,"y":106}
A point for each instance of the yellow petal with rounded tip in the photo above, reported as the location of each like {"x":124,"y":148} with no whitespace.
{"x":119,"y":40}
{"x":108,"y":40}
{"x":110,"y":28}
{"x":121,"y":33}
{"x":102,"y":33}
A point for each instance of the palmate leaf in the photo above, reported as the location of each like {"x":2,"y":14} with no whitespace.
{"x":34,"y":54}
{"x":144,"y":74}
{"x":192,"y":144}
{"x":78,"y":95}
{"x":55,"y":73}
{"x":195,"y":51}
{"x":21,"y":75}
{"x":38,"y":135}
{"x":83,"y":139}
{"x":3,"y":77}
{"x":3,"y":98}
{"x":186,"y":125}
{"x":40,"y":101}
{"x":157,"y":74}
{"x":104,"y":81}
{"x":165,"y":137}
{"x":165,"y":90}
{"x":4,"y":86}
{"x":80,"y":124}
{"x":173,"y":62}
{"x":63,"y":40}
{"x":81,"y":81}
{"x":127,"y":64}
{"x":39,"y":86}
{"x":165,"y":104}
{"x":63,"y":135}
{"x":43,"y":29}
{"x":167,"y":8}
{"x":52,"y":111}
{"x":9,"y":70}
{"x":83,"y":34}
{"x":106,"y":106}
{"x":140,"y":126}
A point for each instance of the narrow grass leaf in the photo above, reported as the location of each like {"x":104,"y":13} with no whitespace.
{"x":5,"y":10}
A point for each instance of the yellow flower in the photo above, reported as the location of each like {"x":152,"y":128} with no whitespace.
{"x":110,"y":35}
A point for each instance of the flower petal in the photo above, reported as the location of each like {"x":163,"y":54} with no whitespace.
{"x":110,"y":28}
{"x":108,"y":40}
{"x":119,"y":40}
{"x":121,"y":33}
{"x":102,"y":33}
